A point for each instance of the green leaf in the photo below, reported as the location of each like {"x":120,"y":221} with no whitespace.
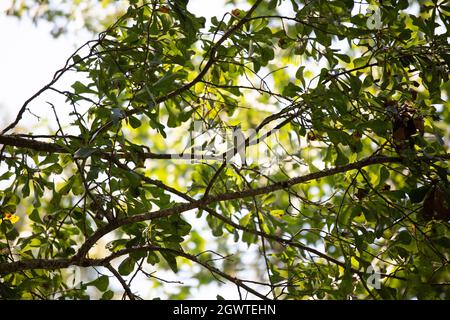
{"x":249,"y":238}
{"x":181,"y":227}
{"x":54,"y":168}
{"x":216,"y":225}
{"x":323,"y":38}
{"x":380,"y":127}
{"x":343,"y":57}
{"x":361,"y":61}
{"x":245,"y":219}
{"x":12,"y":234}
{"x":405,"y":35}
{"x":35,"y":217}
{"x":341,"y":159}
{"x":66,"y":188}
{"x":134,"y":122}
{"x":101,"y":283}
{"x":127,"y":266}
{"x":108,"y":295}
{"x":299,"y":75}
{"x":404,"y":237}
{"x":26,"y":189}
{"x":171,"y":260}
{"x":291,"y":90}
{"x":369,"y":214}
{"x":344,"y":217}
{"x":6,"y":175}
{"x":166,"y":82}
{"x":272,"y":4}
{"x":382,"y":177}
{"x":346,"y":285}
{"x":81,"y":88}
{"x":152,"y":258}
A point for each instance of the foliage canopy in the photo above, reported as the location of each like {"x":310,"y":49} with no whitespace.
{"x":345,"y":190}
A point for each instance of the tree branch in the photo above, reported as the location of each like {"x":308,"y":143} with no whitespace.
{"x":122,"y":282}
{"x":53,"y":264}
{"x":16,"y":141}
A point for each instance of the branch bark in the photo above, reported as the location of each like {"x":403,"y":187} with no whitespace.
{"x":122,"y":281}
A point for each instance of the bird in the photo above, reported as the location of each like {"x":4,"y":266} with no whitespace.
{"x":239,"y":144}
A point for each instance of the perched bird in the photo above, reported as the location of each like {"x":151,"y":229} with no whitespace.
{"x":239,"y":144}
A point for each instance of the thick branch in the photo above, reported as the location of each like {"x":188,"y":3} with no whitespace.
{"x":53,"y":264}
{"x":32,"y":144}
{"x":16,"y":141}
{"x":122,"y":281}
